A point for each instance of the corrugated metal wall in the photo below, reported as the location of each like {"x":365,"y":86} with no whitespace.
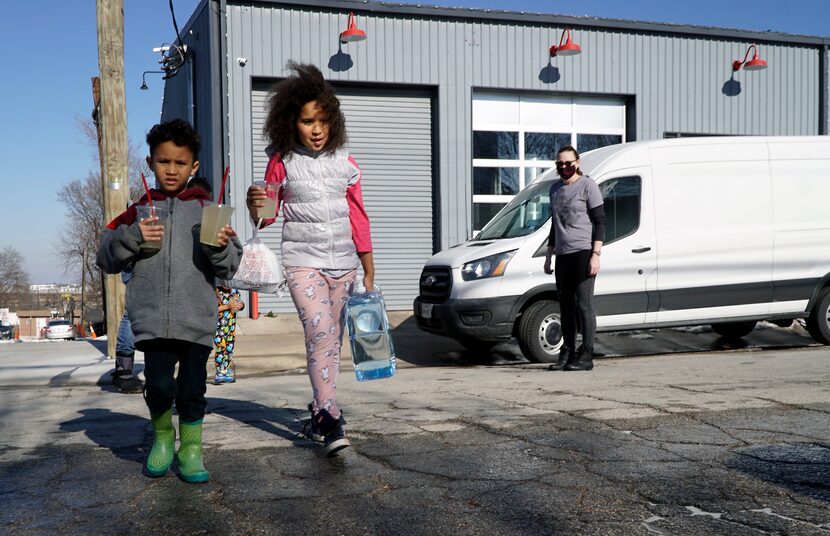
{"x":679,"y":84}
{"x":198,"y":36}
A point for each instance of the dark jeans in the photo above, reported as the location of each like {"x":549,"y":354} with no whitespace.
{"x":125,"y":344}
{"x":188,"y":389}
{"x":576,"y":299}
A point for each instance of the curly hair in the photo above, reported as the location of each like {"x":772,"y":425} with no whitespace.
{"x":287,"y":99}
{"x":179,"y":132}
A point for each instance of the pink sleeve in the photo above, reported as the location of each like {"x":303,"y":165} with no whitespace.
{"x":275,"y":174}
{"x":361,"y":233}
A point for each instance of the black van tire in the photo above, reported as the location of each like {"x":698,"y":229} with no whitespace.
{"x":734,"y":330}
{"x":535,"y":322}
{"x":818,"y":323}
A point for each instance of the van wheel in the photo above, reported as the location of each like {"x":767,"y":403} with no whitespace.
{"x":540,"y":332}
{"x":734,"y":330}
{"x":818,"y":323}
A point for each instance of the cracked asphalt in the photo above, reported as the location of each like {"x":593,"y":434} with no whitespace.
{"x":719,"y":443}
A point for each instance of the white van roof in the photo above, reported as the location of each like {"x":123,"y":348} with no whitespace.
{"x":636,"y":153}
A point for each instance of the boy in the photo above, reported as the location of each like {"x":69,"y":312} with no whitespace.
{"x":171,"y":301}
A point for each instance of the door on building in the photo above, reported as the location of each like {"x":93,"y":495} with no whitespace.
{"x":390,"y":137}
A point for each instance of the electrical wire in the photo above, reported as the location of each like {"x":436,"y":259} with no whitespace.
{"x":175,"y":26}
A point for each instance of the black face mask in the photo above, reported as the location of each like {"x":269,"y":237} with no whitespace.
{"x":566,"y":172}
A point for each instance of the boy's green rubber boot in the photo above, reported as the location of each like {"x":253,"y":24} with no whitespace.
{"x":191,"y":467}
{"x":164,"y":444}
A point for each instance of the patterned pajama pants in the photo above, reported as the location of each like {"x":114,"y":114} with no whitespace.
{"x":320,"y":300}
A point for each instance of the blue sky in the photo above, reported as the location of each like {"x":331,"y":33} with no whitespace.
{"x":51,"y":54}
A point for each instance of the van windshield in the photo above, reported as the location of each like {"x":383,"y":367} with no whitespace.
{"x":525,"y":213}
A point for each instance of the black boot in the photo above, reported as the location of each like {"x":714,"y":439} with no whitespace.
{"x":123,"y":377}
{"x":566,"y":356}
{"x":584,"y":360}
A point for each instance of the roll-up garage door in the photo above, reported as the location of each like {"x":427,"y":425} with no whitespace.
{"x":390,"y":137}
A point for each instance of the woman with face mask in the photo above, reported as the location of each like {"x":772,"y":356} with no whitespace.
{"x":576,"y":234}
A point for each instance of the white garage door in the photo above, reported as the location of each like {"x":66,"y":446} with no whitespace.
{"x":390,"y":137}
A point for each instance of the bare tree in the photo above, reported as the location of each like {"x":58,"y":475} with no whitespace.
{"x":84,"y":203}
{"x":14,"y":281}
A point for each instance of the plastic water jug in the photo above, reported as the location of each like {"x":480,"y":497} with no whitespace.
{"x":372,"y":350}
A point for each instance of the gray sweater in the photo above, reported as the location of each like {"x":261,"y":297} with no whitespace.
{"x":172,"y":292}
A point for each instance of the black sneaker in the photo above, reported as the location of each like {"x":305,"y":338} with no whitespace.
{"x":334,"y":439}
{"x":311,"y":431}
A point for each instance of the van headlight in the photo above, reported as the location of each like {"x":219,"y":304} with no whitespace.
{"x":492,"y":266}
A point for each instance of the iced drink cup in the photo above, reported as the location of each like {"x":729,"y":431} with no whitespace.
{"x":214,"y":217}
{"x":270,"y":208}
{"x":145,"y":212}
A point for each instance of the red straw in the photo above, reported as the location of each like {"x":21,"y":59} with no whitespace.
{"x":224,"y":179}
{"x":149,"y":197}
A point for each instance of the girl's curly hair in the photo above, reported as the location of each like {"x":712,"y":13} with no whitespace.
{"x":289,"y":96}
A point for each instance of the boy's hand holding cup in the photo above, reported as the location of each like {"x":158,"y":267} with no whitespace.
{"x":224,"y":235}
{"x":150,"y":223}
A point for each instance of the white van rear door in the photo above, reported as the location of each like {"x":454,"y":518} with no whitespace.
{"x":626,"y":284}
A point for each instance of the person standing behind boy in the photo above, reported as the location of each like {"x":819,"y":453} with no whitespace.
{"x":170,"y":299}
{"x":230,"y":302}
{"x":122,"y":376}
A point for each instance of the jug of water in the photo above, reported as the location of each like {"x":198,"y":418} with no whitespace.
{"x":371,"y":343}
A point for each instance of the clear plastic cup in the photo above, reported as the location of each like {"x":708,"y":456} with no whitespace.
{"x":270,"y":208}
{"x":214,"y":217}
{"x":146,"y":212}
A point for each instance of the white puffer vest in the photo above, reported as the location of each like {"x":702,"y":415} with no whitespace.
{"x":317,"y":232}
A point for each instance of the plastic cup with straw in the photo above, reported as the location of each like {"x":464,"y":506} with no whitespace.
{"x":148,"y":211}
{"x":215,"y":217}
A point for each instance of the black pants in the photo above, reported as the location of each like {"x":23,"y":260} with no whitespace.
{"x":162,"y":388}
{"x":576,"y":299}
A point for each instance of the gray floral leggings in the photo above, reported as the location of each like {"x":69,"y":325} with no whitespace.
{"x":320,"y":300}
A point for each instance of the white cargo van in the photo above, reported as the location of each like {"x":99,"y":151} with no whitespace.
{"x":723,"y":231}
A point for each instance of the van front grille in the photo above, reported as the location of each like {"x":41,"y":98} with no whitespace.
{"x":435,"y":285}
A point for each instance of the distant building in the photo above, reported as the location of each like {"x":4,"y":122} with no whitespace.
{"x":55,"y":289}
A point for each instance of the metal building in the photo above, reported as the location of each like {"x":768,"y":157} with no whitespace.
{"x":451,"y":111}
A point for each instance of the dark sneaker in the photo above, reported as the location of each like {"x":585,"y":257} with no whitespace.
{"x":334,"y":439}
{"x":310,"y":430}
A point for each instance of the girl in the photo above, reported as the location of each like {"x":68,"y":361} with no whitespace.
{"x":577,"y":231}
{"x":229,"y":304}
{"x":326,"y":229}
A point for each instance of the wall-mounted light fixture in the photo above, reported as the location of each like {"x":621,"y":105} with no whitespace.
{"x":144,"y":82}
{"x":568,"y":48}
{"x":755,"y":64}
{"x":352,"y":33}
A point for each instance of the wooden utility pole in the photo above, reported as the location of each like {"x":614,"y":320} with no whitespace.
{"x":112,"y":133}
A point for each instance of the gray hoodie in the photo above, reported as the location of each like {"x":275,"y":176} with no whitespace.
{"x":172,"y":293}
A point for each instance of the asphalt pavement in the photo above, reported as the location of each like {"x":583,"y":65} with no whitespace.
{"x":730,"y":441}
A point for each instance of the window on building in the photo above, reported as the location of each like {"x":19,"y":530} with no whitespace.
{"x":621,"y":198}
{"x":516,"y":138}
